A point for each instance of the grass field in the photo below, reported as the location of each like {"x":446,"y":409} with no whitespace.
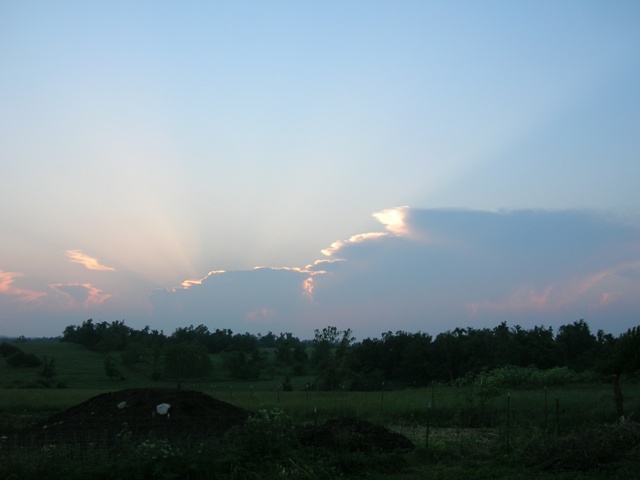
{"x":82,"y":374}
{"x":459,"y":433}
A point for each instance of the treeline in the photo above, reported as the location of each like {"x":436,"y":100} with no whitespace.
{"x":186,"y":352}
{"x":335,"y":360}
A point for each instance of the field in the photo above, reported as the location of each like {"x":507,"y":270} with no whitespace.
{"x":459,"y":432}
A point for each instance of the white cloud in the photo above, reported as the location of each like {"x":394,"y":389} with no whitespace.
{"x":432,"y":270}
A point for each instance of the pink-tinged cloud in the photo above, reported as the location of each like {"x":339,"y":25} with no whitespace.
{"x":78,"y":256}
{"x":7,"y":280}
{"x":433,"y":270}
{"x":606,"y":299}
{"x":589,"y":289}
{"x":260,"y":314}
{"x":80,"y":294}
{"x":522,"y":300}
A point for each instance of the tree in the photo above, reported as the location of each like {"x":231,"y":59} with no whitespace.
{"x":577,"y":344}
{"x":133,"y":354}
{"x":300,"y":359}
{"x":48,"y":368}
{"x":330,"y":356}
{"x":242,"y":365}
{"x":110,"y":368}
{"x":448,"y":348}
{"x":113,"y":336}
{"x":284,"y":348}
{"x":625,"y":359}
{"x":289,"y":351}
{"x":186,"y":360}
{"x":102,"y":337}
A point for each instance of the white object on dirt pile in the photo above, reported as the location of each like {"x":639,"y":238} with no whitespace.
{"x":163,"y":408}
{"x":122,"y":405}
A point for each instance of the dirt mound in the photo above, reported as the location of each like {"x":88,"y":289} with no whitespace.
{"x":353,"y":434}
{"x":601,"y":447}
{"x":138,"y":412}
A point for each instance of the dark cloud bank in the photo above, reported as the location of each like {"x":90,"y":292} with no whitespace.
{"x":433,"y":270}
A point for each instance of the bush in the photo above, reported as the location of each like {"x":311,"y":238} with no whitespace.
{"x":558,"y":376}
{"x":6,"y":349}
{"x":22,"y":359}
{"x":269,"y":433}
{"x":510,"y":376}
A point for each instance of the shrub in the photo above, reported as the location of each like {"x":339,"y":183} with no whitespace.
{"x":22,"y":359}
{"x":6,"y":349}
{"x":558,"y":376}
{"x":269,"y":433}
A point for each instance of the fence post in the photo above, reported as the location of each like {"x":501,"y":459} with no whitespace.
{"x":508,"y":418}
{"x":433,"y":394}
{"x":558,"y":417}
{"x":426,"y":438}
{"x":546,"y":414}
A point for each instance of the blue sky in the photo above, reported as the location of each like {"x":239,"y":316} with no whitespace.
{"x":389,"y":165}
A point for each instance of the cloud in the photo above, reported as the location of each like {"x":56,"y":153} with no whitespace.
{"x":7,"y":280}
{"x":258,"y":300}
{"x":433,"y":270}
{"x":80,"y":294}
{"x":77,"y":256}
{"x":394,"y":220}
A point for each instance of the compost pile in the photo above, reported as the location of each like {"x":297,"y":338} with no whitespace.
{"x":139,"y":412}
{"x":601,"y":447}
{"x":173,"y":414}
{"x":353,"y":434}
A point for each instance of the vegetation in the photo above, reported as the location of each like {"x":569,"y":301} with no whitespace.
{"x":337,"y":361}
{"x":17,"y":358}
{"x":477,"y":403}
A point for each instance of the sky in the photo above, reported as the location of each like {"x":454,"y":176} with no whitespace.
{"x":285,"y":166}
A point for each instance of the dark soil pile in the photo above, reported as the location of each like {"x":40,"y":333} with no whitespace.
{"x":603,"y":447}
{"x":353,"y":434}
{"x":139,"y":412}
{"x":183,"y":415}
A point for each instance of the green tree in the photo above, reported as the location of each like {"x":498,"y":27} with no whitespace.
{"x":330,"y":357}
{"x":625,"y":359}
{"x":110,"y":368}
{"x":133,"y":354}
{"x":300,"y":359}
{"x":577,"y":345}
{"x":289,"y":351}
{"x":186,"y":360}
{"x":48,"y":368}
{"x":242,"y":365}
{"x":284,"y":348}
{"x":102,"y":337}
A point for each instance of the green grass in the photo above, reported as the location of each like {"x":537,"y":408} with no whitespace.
{"x":458,"y":435}
{"x":82,"y":374}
